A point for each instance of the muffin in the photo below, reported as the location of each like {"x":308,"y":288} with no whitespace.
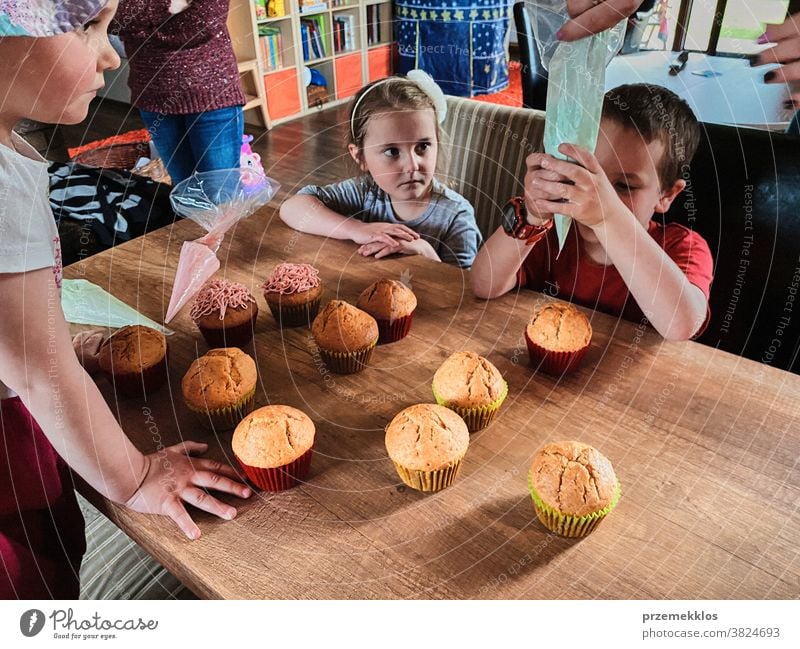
{"x":471,"y":386}
{"x":558,"y":337}
{"x":293,"y":293}
{"x":134,"y":359}
{"x":345,"y":337}
{"x":225,"y":313}
{"x":573,"y":487}
{"x":426,"y":443}
{"x":274,"y":446}
{"x":392,"y":305}
{"x":220,"y":387}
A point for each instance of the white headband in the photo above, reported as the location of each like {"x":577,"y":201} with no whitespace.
{"x":425,"y":83}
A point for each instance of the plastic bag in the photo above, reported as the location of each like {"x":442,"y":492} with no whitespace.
{"x":215,"y":200}
{"x":576,"y":82}
{"x":87,"y":303}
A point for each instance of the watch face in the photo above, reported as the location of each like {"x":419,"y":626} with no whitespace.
{"x":510,"y":218}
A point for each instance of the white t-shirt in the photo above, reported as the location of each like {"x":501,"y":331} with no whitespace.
{"x":28,"y":233}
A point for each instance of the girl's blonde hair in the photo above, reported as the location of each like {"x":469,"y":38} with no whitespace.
{"x":395,"y":93}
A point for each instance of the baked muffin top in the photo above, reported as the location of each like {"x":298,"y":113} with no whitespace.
{"x":132,"y":349}
{"x":560,"y":327}
{"x":273,"y":436}
{"x":467,"y":380}
{"x":573,"y":478}
{"x":387,"y":299}
{"x":341,"y":327}
{"x":426,"y":437}
{"x":220,"y":378}
{"x":220,"y":298}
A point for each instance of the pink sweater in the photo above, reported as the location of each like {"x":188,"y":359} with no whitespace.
{"x":182,"y":63}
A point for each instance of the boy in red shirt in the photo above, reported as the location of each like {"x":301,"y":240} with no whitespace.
{"x":615,"y":258}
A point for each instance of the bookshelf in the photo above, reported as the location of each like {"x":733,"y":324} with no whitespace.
{"x":348,"y":42}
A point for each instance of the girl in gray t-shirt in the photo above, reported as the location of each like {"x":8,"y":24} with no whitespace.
{"x":396,"y":205}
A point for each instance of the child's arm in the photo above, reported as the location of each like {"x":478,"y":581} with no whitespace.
{"x":309,"y":214}
{"x":672,"y":304}
{"x":494,"y":272}
{"x":38,"y":362}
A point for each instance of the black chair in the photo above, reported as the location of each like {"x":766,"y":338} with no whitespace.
{"x":743,"y":196}
{"x":534,"y":76}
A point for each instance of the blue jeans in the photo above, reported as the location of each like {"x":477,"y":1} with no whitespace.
{"x":197,"y":141}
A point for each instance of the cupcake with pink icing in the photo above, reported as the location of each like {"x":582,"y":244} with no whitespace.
{"x":293,"y":293}
{"x":225,"y":312}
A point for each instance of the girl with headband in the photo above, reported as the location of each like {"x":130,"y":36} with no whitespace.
{"x":52,"y":57}
{"x":396,"y":205}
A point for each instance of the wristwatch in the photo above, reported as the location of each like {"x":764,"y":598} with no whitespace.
{"x":515,"y":222}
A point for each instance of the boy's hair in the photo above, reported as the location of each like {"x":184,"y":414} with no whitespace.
{"x":395,"y":93}
{"x":656,"y":113}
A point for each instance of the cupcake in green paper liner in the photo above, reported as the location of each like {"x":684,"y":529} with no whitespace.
{"x":346,"y":337}
{"x":220,"y":387}
{"x":573,"y":487}
{"x":471,"y":386}
{"x":426,"y":444}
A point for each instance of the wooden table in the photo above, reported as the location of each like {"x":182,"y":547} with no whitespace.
{"x":705,"y":444}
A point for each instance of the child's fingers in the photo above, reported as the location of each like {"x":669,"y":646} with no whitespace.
{"x":790,"y":27}
{"x":783,"y":52}
{"x":583,"y":157}
{"x":534,"y":160}
{"x":219,"y":482}
{"x":569,"y":170}
{"x":545,"y":174}
{"x":385,"y":252}
{"x":410,"y":235}
{"x":784,"y":74}
{"x":551,"y":191}
{"x":205,"y":501}
{"x":553,"y":207}
{"x":217,"y":468}
{"x":189,"y":448}
{"x":177,"y":512}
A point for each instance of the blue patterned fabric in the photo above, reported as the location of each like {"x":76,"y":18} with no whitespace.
{"x":460,"y":43}
{"x":46,"y":17}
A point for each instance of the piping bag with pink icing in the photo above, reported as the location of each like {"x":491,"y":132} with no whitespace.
{"x":215,"y":200}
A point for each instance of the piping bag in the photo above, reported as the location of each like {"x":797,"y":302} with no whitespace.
{"x":576,"y":82}
{"x":216,"y":200}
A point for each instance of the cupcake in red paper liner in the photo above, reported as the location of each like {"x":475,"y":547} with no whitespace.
{"x":134,"y":359}
{"x":573,"y":487}
{"x":392,"y":304}
{"x":558,"y":337}
{"x":471,"y":386}
{"x":426,"y":444}
{"x":293,"y":293}
{"x":220,"y":387}
{"x":346,"y":337}
{"x":225,"y":313}
{"x":274,"y":446}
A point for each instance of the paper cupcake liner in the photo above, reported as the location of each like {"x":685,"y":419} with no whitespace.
{"x":279,"y":478}
{"x":225,"y":336}
{"x":342,"y":363}
{"x":139,"y":384}
{"x":567,"y":524}
{"x":479,"y":417}
{"x":221,"y":419}
{"x":551,"y":362}
{"x":428,"y":480}
{"x":390,"y":331}
{"x":295,"y":316}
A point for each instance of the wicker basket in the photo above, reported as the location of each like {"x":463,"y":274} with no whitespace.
{"x":114,"y":156}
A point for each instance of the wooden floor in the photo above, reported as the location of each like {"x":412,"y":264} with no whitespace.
{"x":295,"y":153}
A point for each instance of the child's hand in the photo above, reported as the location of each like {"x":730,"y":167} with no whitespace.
{"x":385,"y":232}
{"x":536,"y":190}
{"x":173,"y":479}
{"x":87,"y":345}
{"x":583,"y":191}
{"x":379,"y":249}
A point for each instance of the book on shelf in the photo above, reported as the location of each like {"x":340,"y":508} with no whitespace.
{"x":312,"y":35}
{"x":344,"y":33}
{"x":271,"y":41}
{"x":308,"y":6}
{"x":261,"y":9}
{"x":373,"y":24}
